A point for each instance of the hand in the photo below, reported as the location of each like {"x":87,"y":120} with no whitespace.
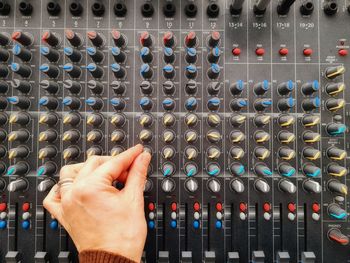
{"x":97,"y":215}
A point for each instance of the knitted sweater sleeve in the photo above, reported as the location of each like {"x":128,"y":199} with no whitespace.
{"x":97,"y":256}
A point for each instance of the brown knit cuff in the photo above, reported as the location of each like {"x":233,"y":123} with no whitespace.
{"x":97,"y":256}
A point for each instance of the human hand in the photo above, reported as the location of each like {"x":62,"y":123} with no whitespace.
{"x":97,"y":215}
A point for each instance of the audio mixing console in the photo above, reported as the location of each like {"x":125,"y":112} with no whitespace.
{"x":243,"y":105}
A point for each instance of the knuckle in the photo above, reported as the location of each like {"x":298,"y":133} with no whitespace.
{"x":64,"y":171}
{"x":81,"y":191}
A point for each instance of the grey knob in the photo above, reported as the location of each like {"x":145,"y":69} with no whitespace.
{"x":287,"y":186}
{"x":168,"y":185}
{"x":312,"y":186}
{"x":191,"y":185}
{"x":237,"y":186}
{"x":214,"y":185}
{"x":148,"y":186}
{"x":262,"y":186}
{"x":46,"y":185}
{"x":17,"y":185}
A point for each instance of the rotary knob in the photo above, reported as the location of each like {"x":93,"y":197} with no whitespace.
{"x":146,"y":120}
{"x":261,"y":136}
{"x":168,"y":119}
{"x":311,"y":104}
{"x":73,"y":87}
{"x":213,"y":136}
{"x":337,"y":236}
{"x":214,"y":87}
{"x":335,"y":105}
{"x":118,"y":104}
{"x":72,"y":119}
{"x":22,"y":53}
{"x":168,"y":169}
{"x":191,"y":119}
{"x":24,"y":38}
{"x":191,"y":71}
{"x":213,"y":104}
{"x":3,"y":103}
{"x":191,"y":39}
{"x":49,"y":135}
{"x":335,"y":129}
{"x":285,"y":88}
{"x":311,"y":153}
{"x":213,"y":152}
{"x":261,"y":186}
{"x":312,"y":186}
{"x":47,"y":152}
{"x":237,"y":186}
{"x":286,"y":153}
{"x":116,"y":150}
{"x":146,"y":71}
{"x":334,"y":89}
{"x":73,"y":103}
{"x":237,"y":87}
{"x":168,"y":136}
{"x":191,"y":185}
{"x":168,"y":185}
{"x":214,"y":55}
{"x":74,"y":55}
{"x":20,"y":168}
{"x":335,"y":211}
{"x":95,"y":70}
{"x":95,"y":103}
{"x":168,"y":104}
{"x":168,"y":55}
{"x":72,"y":70}
{"x":333,"y":72}
{"x":118,"y":136}
{"x":190,"y":169}
{"x":191,"y":104}
{"x":119,"y":71}
{"x":310,"y":120}
{"x":262,"y":104}
{"x":286,"y":137}
{"x":191,"y":87}
{"x":94,"y":136}
{"x":310,"y":88}
{"x":213,"y":169}
{"x":71,"y":153}
{"x":18,"y":152}
{"x":336,"y":170}
{"x":146,"y":87}
{"x":145,"y":135}
{"x":236,"y":153}
{"x":49,"y":168}
{"x":21,"y":118}
{"x":94,"y":150}
{"x":213,"y":71}
{"x":191,"y":136}
{"x":214,"y":39}
{"x":49,"y":86}
{"x":336,"y":154}
{"x":21,"y":135}
{"x":286,"y":170}
{"x":287,"y":186}
{"x":285,"y":104}
{"x":262,"y":170}
{"x":97,"y":39}
{"x":237,"y":120}
{"x":96,"y":55}
{"x":49,"y":102}
{"x":20,"y":102}
{"x":214,"y":185}
{"x":261,"y":88}
{"x":191,"y":153}
{"x":146,"y":103}
{"x":337,"y":187}
{"x":237,"y":136}
{"x":118,"y":120}
{"x":261,"y":120}
{"x":118,"y":87}
{"x":119,"y":39}
{"x":168,"y":152}
{"x":169,"y":87}
{"x":261,"y":153}
{"x":311,"y":170}
{"x":146,"y":39}
{"x":18,"y":185}
{"x":237,"y":169}
{"x":46,"y":185}
{"x":71,"y":136}
{"x":74,"y":38}
{"x":146,"y":55}
{"x":22,"y":86}
{"x":118,"y":55}
{"x":94,"y":119}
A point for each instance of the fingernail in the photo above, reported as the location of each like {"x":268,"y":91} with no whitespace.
{"x":146,"y":155}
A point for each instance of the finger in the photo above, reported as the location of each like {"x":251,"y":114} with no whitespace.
{"x":135,"y":182}
{"x":53,"y":204}
{"x":112,"y":169}
{"x":70,"y":171}
{"x":91,"y":164}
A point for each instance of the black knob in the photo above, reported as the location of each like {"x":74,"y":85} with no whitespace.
{"x":262,"y":104}
{"x":75,"y":8}
{"x":49,"y":135}
{"x":5,"y":8}
{"x":95,"y":103}
{"x":51,"y":71}
{"x":4,"y":55}
{"x":118,"y":71}
{"x":72,"y":118}
{"x":3,"y":103}
{"x":45,"y":185}
{"x":71,"y":153}
{"x":95,"y":87}
{"x":191,"y":10}
{"x":51,"y":38}
{"x":213,"y":10}
{"x":47,"y":152}
{"x":337,"y":187}
{"x":51,"y":54}
{"x":118,"y":87}
{"x":334,"y":89}
{"x":98,"y":9}
{"x":118,"y":120}
{"x":284,"y":7}
{"x":310,"y":104}
{"x":97,"y":56}
{"x":337,"y":236}
{"x":23,"y":38}
{"x":118,"y":54}
{"x":4,"y":39}
{"x":330,"y":8}
{"x":336,"y":212}
{"x":18,"y":152}
{"x":25,"y":8}
{"x":94,"y":136}
{"x":4,"y":86}
{"x":21,"y":102}
{"x":168,"y":55}
{"x":169,"y":87}
{"x":51,"y":103}
{"x":73,"y":54}
{"x":73,"y":71}
{"x":53,"y":8}
{"x":285,"y":88}
{"x":71,"y":136}
{"x":72,"y":102}
{"x":118,"y":136}
{"x":238,"y":104}
{"x":236,"y":7}
{"x":168,"y":104}
{"x":191,"y":87}
{"x":312,"y":186}
{"x":307,"y":8}
{"x":73,"y":87}
{"x":74,"y":39}
{"x":147,"y":9}
{"x":94,"y":119}
{"x":333,"y":72}
{"x":18,"y":185}
{"x":168,"y":119}
{"x":20,"y":168}
{"x":96,"y":71}
{"x":169,"y":9}
{"x":214,"y":55}
{"x":310,"y":87}
{"x":120,"y":9}
{"x":119,"y":39}
{"x":23,"y":70}
{"x":191,"y":39}
{"x":261,"y":6}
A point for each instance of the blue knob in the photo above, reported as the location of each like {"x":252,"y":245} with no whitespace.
{"x":11,"y":170}
{"x":146,"y":55}
{"x":3,"y":224}
{"x":25,"y":224}
{"x":151,"y":224}
{"x":240,"y":85}
{"x":115,"y":51}
{"x":15,"y":67}
{"x":196,"y":224}
{"x":191,"y":71}
{"x":44,"y":68}
{"x":191,"y":104}
{"x":115,"y":101}
{"x":168,"y":71}
{"x":213,"y":103}
{"x":168,"y":104}
{"x":91,"y":51}
{"x":317,"y":102}
{"x":54,"y":224}
{"x":146,"y":71}
{"x":218,"y":224}
{"x":43,"y":51}
{"x":67,"y":101}
{"x":41,"y":171}
{"x":168,"y":51}
{"x":267,"y":172}
{"x":68,"y":51}
{"x":145,"y":103}
{"x":191,"y":55}
{"x":290,"y":85}
{"x":16,"y":49}
{"x":13,"y":100}
{"x":43,"y":101}
{"x":213,"y":71}
{"x":173,"y":224}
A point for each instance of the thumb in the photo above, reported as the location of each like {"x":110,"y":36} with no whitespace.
{"x":136,"y":179}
